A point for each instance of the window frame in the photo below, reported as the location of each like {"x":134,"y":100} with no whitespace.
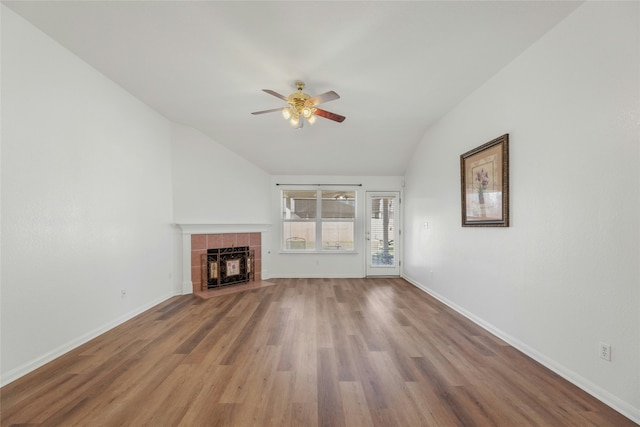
{"x":318,"y":220}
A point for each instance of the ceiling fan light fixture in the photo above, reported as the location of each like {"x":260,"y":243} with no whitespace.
{"x":287,"y":112}
{"x":295,"y":120}
{"x":306,"y":112}
{"x":312,"y":119}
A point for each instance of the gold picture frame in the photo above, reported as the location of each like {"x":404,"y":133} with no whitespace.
{"x":484,"y":181}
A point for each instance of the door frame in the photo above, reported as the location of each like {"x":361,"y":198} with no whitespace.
{"x":371,"y":271}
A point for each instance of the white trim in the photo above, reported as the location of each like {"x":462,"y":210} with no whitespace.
{"x":34,"y":364}
{"x":187,"y":283}
{"x":315,"y":252}
{"x":222,"y":228}
{"x":187,"y":287}
{"x":593,"y":389}
{"x":318,"y":220}
{"x":371,"y":271}
{"x":314,"y":276}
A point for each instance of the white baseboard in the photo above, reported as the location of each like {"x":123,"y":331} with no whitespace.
{"x":34,"y":364}
{"x":187,"y":287}
{"x":596,"y":391}
{"x":313,"y":276}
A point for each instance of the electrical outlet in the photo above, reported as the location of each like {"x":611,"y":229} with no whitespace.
{"x":605,"y":352}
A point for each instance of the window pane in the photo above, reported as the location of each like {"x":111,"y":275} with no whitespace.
{"x":298,"y":204}
{"x":337,"y":236}
{"x":299,"y":235}
{"x":338,"y":204}
{"x":383,"y":232}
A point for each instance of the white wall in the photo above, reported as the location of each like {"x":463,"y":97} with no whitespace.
{"x":308,"y":265}
{"x":86,"y":201}
{"x":565,"y":276}
{"x":212,"y":185}
{"x":215,"y":188}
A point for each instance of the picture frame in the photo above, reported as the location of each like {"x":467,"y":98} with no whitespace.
{"x":484,"y":181}
{"x":233,"y":267}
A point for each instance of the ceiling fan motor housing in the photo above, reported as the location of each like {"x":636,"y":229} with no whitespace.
{"x":300,"y":102}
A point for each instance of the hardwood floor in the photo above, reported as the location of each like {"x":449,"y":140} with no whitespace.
{"x":304,"y":352}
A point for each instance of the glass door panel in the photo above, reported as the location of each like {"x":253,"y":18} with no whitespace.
{"x":382,"y":234}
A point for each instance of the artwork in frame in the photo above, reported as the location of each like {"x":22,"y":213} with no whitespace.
{"x":484,"y":180}
{"x":233,"y":267}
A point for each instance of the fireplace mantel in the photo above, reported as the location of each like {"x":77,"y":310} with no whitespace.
{"x":193,"y":229}
{"x":222,"y":228}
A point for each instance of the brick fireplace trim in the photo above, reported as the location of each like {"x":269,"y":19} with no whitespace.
{"x":197,"y":238}
{"x":201,"y":242}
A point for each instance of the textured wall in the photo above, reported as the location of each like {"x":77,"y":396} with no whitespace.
{"x":86,"y":201}
{"x":564,"y":277}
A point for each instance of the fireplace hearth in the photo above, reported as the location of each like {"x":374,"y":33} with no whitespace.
{"x":227,"y":266}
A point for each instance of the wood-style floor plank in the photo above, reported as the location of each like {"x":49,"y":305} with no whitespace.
{"x":300,"y":352}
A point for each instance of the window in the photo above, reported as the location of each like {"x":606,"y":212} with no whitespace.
{"x":318,"y":220}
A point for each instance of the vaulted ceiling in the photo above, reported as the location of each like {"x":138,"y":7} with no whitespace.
{"x":398,"y":67}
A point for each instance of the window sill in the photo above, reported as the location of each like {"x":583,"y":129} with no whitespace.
{"x":283,"y":252}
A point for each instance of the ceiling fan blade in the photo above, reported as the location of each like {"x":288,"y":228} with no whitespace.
{"x":276,"y":94}
{"x":329,"y":115}
{"x":267,"y":111}
{"x":325,"y":97}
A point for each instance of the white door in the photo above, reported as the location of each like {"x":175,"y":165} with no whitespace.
{"x":383,"y":234}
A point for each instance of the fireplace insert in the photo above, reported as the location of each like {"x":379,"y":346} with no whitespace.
{"x":227,"y":266}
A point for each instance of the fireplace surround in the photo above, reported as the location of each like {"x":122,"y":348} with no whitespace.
{"x":200,"y":243}
{"x":198,"y":238}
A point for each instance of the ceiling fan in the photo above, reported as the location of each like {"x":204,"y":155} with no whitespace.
{"x":301,"y":105}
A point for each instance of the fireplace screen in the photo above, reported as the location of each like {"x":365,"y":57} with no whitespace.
{"x":227,"y":266}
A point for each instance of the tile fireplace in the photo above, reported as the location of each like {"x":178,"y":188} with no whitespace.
{"x":224,"y":259}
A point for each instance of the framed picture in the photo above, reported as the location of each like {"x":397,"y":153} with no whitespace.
{"x":233,"y":267}
{"x":484,"y":180}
